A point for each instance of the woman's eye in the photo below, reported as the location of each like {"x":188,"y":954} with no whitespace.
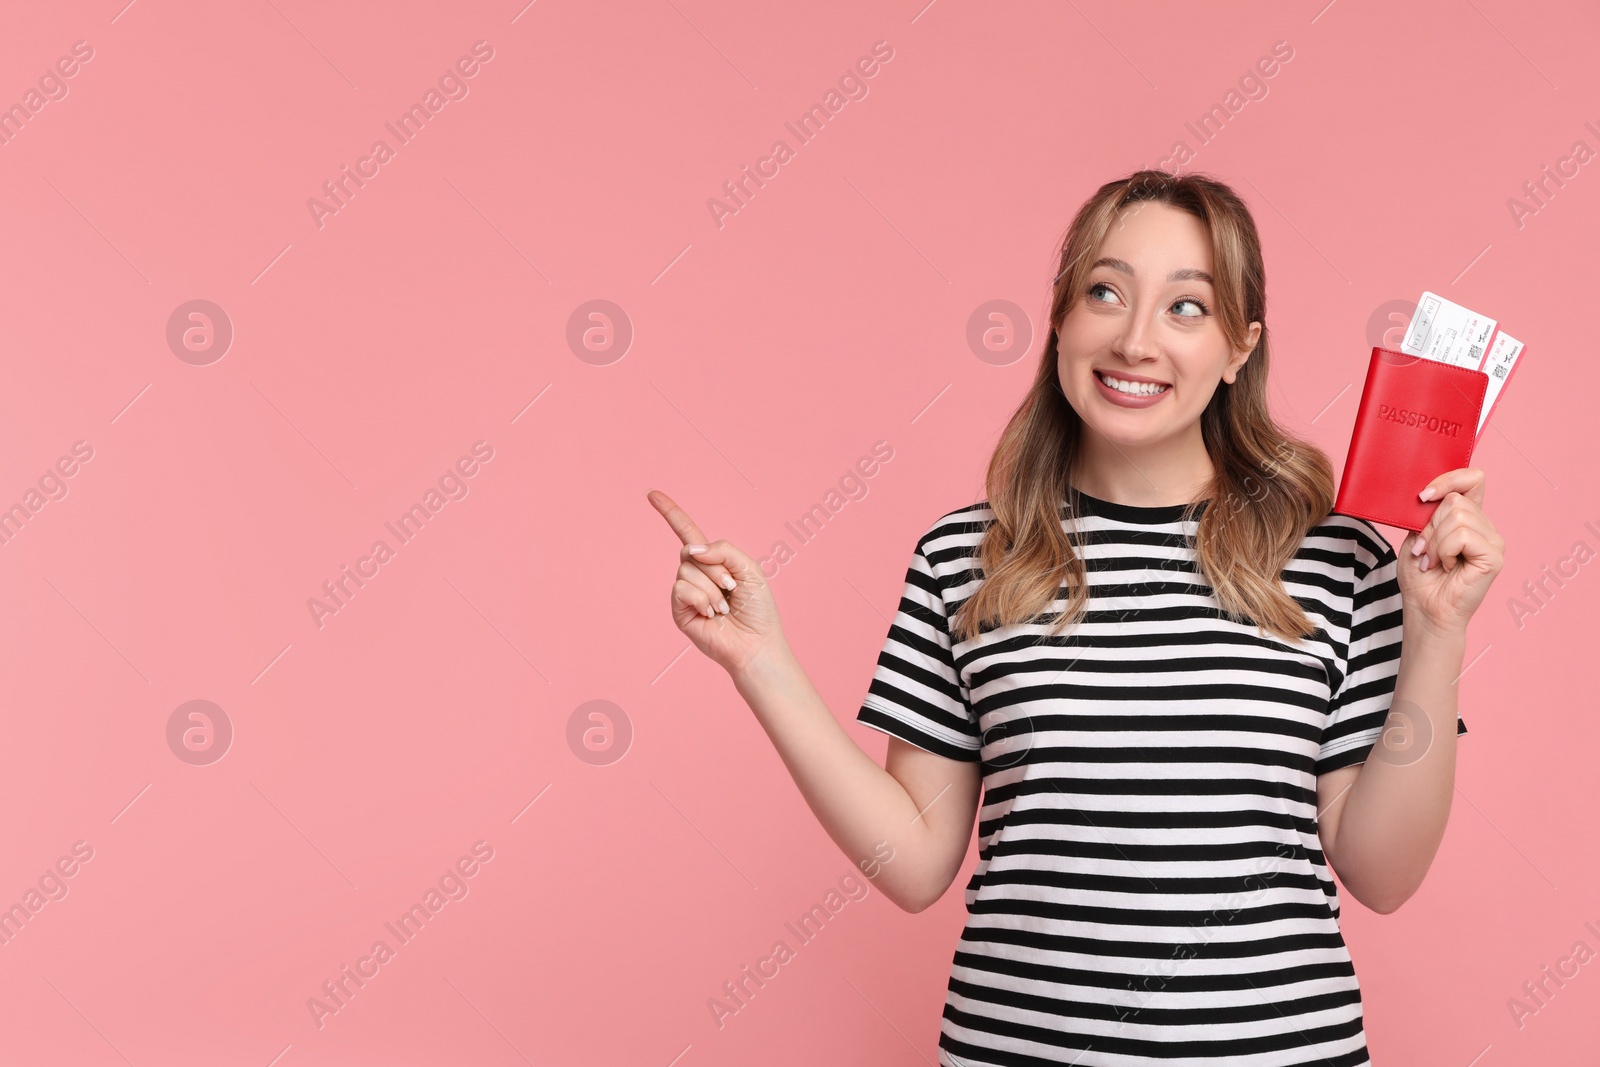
{"x":1098,"y":285}
{"x":1190,"y":300}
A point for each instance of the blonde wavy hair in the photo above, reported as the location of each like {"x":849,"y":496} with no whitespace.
{"x":1269,"y":488}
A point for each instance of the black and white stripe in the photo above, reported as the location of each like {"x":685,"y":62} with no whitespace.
{"x":1150,"y":887}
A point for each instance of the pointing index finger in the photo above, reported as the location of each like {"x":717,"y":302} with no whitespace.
{"x":682,"y":525}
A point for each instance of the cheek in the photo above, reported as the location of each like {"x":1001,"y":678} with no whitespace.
{"x":1074,"y":375}
{"x":1196,"y":368}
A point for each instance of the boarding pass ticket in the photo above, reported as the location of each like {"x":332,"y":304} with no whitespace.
{"x":1449,"y":333}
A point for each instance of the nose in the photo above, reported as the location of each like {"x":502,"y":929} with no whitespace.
{"x":1136,"y":342}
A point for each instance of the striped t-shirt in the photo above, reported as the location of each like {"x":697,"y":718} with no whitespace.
{"x":1150,"y":886}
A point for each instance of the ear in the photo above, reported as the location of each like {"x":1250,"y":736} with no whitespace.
{"x":1237,"y":360}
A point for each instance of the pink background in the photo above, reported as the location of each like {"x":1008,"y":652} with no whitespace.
{"x":767,"y":357}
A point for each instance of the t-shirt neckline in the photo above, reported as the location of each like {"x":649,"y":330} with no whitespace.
{"x":1132,"y":513}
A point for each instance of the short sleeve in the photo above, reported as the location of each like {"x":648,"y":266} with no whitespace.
{"x":1360,"y":703}
{"x":916,"y":692}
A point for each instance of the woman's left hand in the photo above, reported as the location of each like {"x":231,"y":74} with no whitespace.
{"x":1447,"y":566}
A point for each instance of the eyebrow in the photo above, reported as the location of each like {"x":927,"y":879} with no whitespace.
{"x":1182,"y":274}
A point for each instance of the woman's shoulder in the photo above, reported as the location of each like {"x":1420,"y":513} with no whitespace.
{"x":949,"y":544}
{"x":963,"y":525}
{"x":1346,"y":542}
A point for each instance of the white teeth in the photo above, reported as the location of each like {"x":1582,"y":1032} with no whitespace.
{"x":1132,"y":388}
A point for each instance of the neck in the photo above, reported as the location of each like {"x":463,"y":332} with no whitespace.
{"x":1154,"y":475}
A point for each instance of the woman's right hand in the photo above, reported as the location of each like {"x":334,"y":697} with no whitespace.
{"x":732,"y":638}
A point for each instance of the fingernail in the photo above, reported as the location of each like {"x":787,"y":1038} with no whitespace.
{"x":709,"y":612}
{"x":695,"y":550}
{"x":1417,"y":549}
{"x":728,"y":583}
{"x":722,"y":606}
{"x":1426,"y":494}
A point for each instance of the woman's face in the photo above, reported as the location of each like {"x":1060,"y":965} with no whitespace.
{"x":1147,"y":315}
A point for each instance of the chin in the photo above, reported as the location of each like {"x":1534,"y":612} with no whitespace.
{"x":1149,"y":436}
{"x":1130,"y":426}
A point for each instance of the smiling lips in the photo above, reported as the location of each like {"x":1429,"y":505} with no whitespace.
{"x":1131,"y":387}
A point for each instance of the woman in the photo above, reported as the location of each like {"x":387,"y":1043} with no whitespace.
{"x":1186,"y":688}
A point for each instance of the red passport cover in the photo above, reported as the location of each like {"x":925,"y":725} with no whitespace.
{"x":1418,"y":418}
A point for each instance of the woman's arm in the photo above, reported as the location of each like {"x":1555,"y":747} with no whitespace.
{"x":1381,"y":821}
{"x":922,"y":806}
{"x":907,"y":827}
